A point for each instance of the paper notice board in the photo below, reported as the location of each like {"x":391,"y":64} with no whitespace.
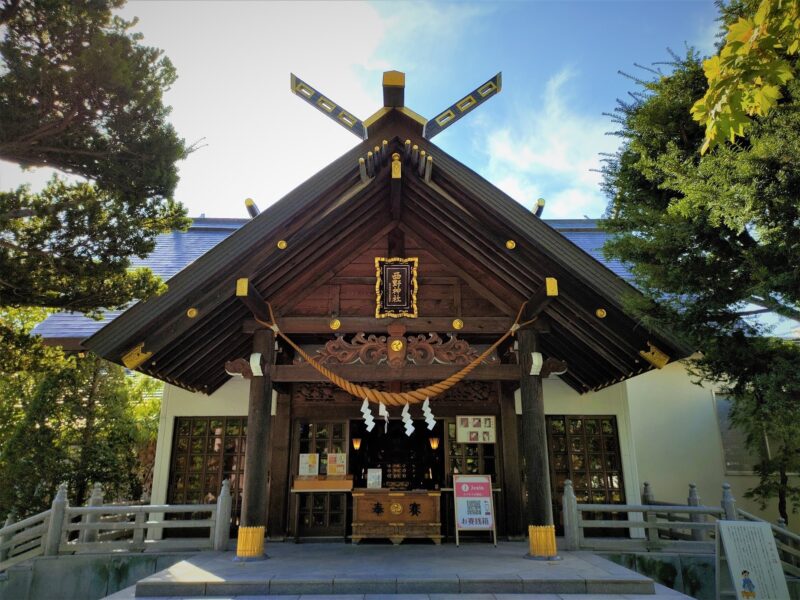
{"x":474,"y":506}
{"x":753,"y":561}
{"x":309,"y":465}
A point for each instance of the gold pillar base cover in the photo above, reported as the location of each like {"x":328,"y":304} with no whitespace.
{"x":542,"y":539}
{"x":250,"y":543}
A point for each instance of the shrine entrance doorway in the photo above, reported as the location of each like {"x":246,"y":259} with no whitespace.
{"x":406,"y":462}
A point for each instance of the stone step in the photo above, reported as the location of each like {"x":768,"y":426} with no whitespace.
{"x":340,"y":570}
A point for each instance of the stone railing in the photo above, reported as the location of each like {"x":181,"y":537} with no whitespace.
{"x":113,"y":528}
{"x":661,"y":526}
{"x":651,"y":526}
{"x":788,"y":543}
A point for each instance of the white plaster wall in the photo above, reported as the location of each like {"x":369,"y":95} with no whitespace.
{"x":677,"y":440}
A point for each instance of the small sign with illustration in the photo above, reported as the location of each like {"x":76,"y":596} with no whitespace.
{"x":374,"y":478}
{"x":337,"y":464}
{"x":309,"y":465}
{"x":752,"y":557}
{"x":476,"y":429}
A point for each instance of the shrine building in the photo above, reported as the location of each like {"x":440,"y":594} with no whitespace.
{"x":391,"y":323}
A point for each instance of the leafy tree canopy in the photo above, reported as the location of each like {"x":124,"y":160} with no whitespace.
{"x":713,"y":239}
{"x":74,"y":419}
{"x":746,"y":77}
{"x":81,"y":94}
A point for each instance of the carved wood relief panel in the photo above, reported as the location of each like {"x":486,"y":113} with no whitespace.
{"x":420,"y":350}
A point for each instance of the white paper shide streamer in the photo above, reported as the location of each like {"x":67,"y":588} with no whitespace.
{"x":369,"y":420}
{"x":426,"y":410}
{"x":407,"y":421}
{"x":382,"y":412}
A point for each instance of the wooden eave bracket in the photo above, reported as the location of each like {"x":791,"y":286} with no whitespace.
{"x":537,"y":304}
{"x":251,"y":298}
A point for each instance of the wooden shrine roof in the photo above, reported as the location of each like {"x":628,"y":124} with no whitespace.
{"x":335,"y":215}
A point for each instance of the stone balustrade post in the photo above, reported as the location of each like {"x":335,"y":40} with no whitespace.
{"x":647,"y":494}
{"x":6,"y":537}
{"x":698,"y":535}
{"x":222,"y":525}
{"x":55,"y":525}
{"x":96,"y":499}
{"x":728,"y":503}
{"x":572,"y":533}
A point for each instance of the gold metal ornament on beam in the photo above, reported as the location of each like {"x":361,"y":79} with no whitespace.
{"x":511,"y":244}
{"x":601,"y":313}
{"x":282,"y":245}
{"x":335,"y":324}
{"x":656,"y":357}
{"x":135,"y":356}
{"x":192,"y":313}
{"x":458,"y":324}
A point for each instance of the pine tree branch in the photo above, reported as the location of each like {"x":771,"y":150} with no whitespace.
{"x":776,"y":306}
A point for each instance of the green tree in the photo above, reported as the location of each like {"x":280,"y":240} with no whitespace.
{"x":747,"y":76}
{"x":75,"y":419}
{"x":713,"y":240}
{"x":81,"y":94}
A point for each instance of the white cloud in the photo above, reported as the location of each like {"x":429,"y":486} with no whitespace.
{"x":551,"y":150}
{"x":233,"y":61}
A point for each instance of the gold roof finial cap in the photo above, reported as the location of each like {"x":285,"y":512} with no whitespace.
{"x":394,"y":86}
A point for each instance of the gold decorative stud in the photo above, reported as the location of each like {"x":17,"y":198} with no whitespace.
{"x":397,"y":345}
{"x":511,"y":244}
{"x":458,"y":324}
{"x":600,"y":313}
{"x":335,"y":324}
{"x":282,"y":245}
{"x":192,"y":313}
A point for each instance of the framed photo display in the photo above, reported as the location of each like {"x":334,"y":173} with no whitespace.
{"x":476,"y":429}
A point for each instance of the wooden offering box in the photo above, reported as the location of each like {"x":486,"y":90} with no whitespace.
{"x":397,"y":515}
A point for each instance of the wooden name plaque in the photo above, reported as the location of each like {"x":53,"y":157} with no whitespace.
{"x":396,"y":515}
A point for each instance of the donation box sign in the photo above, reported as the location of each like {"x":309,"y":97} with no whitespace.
{"x":473,"y":502}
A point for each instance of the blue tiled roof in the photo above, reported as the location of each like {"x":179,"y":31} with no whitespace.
{"x":173,"y":252}
{"x":176,"y":250}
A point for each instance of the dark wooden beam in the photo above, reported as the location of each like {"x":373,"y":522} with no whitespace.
{"x":546,"y":293}
{"x":340,"y":280}
{"x":539,"y":508}
{"x":252,"y":299}
{"x":307,"y":373}
{"x":512,"y":466}
{"x":356,"y":324}
{"x":254,"y":495}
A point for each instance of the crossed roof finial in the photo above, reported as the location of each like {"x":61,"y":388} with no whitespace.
{"x":393,"y":99}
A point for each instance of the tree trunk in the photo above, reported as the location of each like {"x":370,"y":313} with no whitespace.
{"x":784,"y":485}
{"x":82,"y":479}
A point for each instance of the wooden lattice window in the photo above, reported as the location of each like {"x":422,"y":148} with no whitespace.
{"x":584,"y":449}
{"x":321,"y":514}
{"x":470,"y":459}
{"x":206,"y":450}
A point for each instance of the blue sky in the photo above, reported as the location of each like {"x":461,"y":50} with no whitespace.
{"x":540,"y":137}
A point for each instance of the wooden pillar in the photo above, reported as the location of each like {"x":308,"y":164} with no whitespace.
{"x":254,"y":497}
{"x":512,"y":466}
{"x":278,"y":511}
{"x":539,"y":508}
